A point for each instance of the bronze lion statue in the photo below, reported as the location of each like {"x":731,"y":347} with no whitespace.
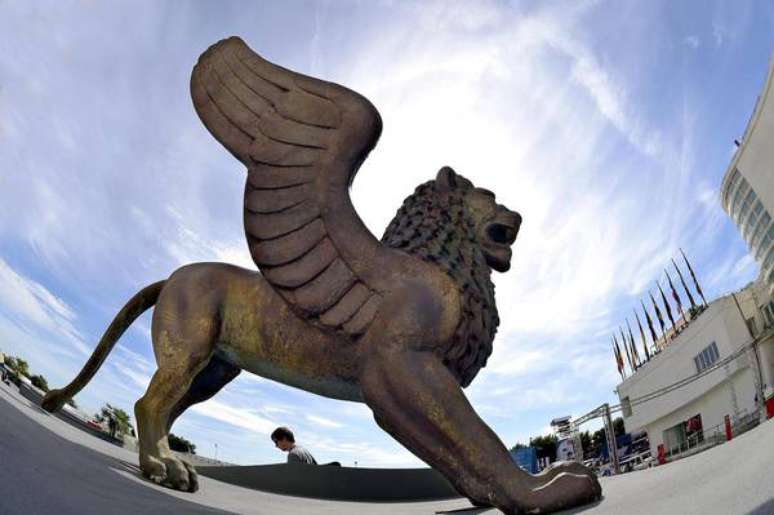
{"x":401,"y":324}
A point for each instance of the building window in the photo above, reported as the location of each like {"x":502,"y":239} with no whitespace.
{"x":626,"y":407}
{"x":749,"y":224}
{"x":751,"y":326}
{"x":740,"y":193}
{"x":763,"y":248}
{"x":760,"y":228}
{"x":748,"y":201}
{"x":732,"y":184}
{"x":768,"y":261}
{"x":707,"y":357}
{"x":768,"y":313}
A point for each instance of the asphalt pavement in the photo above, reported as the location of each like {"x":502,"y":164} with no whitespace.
{"x":49,"y":467}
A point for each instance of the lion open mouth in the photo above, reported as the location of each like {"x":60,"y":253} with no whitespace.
{"x":501,"y":234}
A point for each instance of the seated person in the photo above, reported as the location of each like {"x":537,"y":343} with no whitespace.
{"x":285,"y":441}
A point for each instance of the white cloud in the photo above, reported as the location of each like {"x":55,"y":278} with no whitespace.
{"x":692,"y":41}
{"x":324,"y":422}
{"x":235,"y":416}
{"x":32,"y":305}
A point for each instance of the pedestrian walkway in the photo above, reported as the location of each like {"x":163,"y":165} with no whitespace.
{"x":734,"y":478}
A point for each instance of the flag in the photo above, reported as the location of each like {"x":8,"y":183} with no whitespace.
{"x":685,"y":286}
{"x":695,"y":282}
{"x":631,"y":340}
{"x":635,"y":356}
{"x":650,"y":325}
{"x":642,"y":336}
{"x":674,"y":294}
{"x":666,"y":305}
{"x":618,"y":359}
{"x":628,"y":356}
{"x":658,"y":313}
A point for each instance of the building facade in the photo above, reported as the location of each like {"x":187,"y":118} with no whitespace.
{"x":747,"y":191}
{"x":708,"y":371}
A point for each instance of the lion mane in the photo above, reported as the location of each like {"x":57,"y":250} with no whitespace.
{"x":433,"y":225}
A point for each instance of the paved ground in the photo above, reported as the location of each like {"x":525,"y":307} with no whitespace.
{"x":49,"y":467}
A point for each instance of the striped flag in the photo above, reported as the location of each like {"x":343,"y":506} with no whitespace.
{"x":685,"y":286}
{"x":695,"y":282}
{"x":666,"y":305}
{"x":642,"y":336}
{"x":674,"y":294}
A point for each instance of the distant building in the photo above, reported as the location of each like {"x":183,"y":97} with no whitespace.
{"x":684,"y":415}
{"x":747,"y":192}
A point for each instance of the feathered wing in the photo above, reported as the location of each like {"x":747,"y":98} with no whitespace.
{"x":302,"y":140}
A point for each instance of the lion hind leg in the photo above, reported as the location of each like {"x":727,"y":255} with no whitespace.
{"x":417,"y":400}
{"x":182,"y":353}
{"x":213,"y":377}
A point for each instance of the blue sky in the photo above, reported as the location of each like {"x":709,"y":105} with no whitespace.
{"x":607,"y":125}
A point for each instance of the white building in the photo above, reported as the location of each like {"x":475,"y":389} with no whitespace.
{"x":747,"y":192}
{"x":703,"y":393}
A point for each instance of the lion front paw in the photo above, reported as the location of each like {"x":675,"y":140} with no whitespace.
{"x":572,"y":467}
{"x":171,"y":472}
{"x":563,"y":491}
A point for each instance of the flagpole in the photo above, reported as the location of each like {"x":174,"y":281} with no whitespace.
{"x":693,"y":275}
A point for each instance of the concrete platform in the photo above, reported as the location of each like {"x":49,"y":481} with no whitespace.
{"x":47,"y":467}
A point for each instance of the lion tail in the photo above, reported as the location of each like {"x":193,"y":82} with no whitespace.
{"x":144,"y":299}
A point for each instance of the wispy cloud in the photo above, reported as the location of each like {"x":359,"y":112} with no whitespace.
{"x":324,"y":422}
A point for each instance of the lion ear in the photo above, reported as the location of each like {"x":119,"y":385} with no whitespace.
{"x":446,"y":180}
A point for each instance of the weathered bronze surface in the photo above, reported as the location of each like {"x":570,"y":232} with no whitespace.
{"x":402,"y":324}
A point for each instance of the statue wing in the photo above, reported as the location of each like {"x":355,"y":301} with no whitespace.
{"x":302,"y":140}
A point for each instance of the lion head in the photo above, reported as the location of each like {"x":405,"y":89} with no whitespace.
{"x":464,"y":231}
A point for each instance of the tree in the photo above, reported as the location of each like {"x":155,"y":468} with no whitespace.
{"x":38,"y":381}
{"x":19,"y":365}
{"x":587,"y":446}
{"x":122,"y":418}
{"x":618,"y":426}
{"x":518,"y":445}
{"x":545,"y":446}
{"x":180,"y":444}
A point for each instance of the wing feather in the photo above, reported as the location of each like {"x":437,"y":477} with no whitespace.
{"x":302,"y":140}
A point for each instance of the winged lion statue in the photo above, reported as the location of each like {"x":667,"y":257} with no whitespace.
{"x":401,"y":324}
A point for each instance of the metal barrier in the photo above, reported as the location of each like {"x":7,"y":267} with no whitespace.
{"x":707,"y":438}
